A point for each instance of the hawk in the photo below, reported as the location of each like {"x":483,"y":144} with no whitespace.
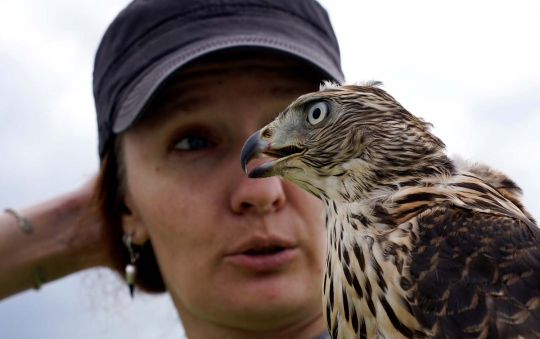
{"x":419,"y":245}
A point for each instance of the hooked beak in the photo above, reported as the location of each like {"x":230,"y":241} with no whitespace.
{"x":254,"y":148}
{"x":257,"y":147}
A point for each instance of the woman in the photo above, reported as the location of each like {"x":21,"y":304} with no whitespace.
{"x":179,"y":86}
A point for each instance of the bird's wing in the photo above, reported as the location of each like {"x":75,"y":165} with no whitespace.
{"x":476,"y":275}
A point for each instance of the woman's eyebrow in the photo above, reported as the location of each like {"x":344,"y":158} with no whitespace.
{"x":184,"y":102}
{"x":169,"y":103}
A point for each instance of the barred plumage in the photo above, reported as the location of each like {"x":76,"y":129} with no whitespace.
{"x":419,"y":245}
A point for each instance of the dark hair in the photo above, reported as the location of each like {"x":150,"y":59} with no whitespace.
{"x":108,"y":204}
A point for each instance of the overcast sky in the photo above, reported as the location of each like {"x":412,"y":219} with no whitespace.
{"x":470,"y":68}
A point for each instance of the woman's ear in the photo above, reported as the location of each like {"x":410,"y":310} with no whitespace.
{"x":132,"y":223}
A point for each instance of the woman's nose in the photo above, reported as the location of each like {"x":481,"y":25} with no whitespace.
{"x":258,"y":196}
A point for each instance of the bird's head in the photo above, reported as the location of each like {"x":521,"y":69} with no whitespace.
{"x":344,"y":141}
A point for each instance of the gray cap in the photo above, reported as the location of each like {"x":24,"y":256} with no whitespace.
{"x":151,"y":39}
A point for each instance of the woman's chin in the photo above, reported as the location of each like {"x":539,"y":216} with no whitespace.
{"x":282,"y":292}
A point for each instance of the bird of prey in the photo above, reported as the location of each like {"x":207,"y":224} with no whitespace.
{"x":419,"y":245}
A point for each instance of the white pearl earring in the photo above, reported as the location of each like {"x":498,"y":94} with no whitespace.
{"x":131,"y":268}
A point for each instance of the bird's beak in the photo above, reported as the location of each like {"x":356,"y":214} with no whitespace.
{"x":255,"y":147}
{"x":262,"y":147}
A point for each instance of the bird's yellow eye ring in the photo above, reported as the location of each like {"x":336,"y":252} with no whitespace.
{"x":317,"y":112}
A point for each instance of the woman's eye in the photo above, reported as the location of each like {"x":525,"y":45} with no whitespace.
{"x":192,"y":142}
{"x":317,"y":112}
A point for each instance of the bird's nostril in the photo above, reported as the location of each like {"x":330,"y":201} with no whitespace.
{"x":267,"y":133}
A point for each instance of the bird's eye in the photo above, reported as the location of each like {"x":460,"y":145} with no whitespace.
{"x":317,"y":112}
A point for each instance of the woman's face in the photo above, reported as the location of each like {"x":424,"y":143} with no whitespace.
{"x":233,"y":251}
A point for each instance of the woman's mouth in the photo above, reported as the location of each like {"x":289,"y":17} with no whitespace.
{"x":264,"y":250}
{"x":263,"y":258}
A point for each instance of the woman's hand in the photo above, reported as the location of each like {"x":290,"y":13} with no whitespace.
{"x":67,"y":237}
{"x":90,"y":239}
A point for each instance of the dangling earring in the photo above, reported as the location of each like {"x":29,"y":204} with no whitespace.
{"x":131,"y":269}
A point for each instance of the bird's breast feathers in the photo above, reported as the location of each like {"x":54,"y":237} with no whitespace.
{"x":368,"y":286}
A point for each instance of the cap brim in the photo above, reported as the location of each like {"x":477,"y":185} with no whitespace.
{"x":144,"y":88}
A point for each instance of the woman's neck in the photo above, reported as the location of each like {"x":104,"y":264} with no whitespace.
{"x":196,"y":327}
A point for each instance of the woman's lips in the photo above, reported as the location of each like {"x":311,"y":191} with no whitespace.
{"x":263,"y":261}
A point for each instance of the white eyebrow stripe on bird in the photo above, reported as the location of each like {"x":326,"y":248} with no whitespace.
{"x":380,"y":106}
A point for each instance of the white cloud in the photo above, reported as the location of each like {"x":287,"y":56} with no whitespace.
{"x":471,"y":68}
